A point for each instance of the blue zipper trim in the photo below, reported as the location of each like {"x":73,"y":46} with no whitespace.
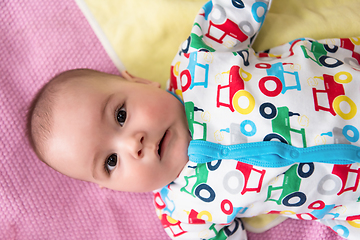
{"x":178,"y":98}
{"x":273,"y":154}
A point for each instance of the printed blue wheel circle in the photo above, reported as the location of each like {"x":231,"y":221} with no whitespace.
{"x":206,"y":188}
{"x":272,"y":136}
{"x":255,"y":11}
{"x":213,"y":167}
{"x":300,"y":195}
{"x":308,"y":173}
{"x":341,"y":230}
{"x":245,"y":131}
{"x":325,"y":58}
{"x":266,"y":115}
{"x":355,"y":133}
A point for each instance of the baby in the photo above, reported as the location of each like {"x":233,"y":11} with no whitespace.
{"x":268,"y":133}
{"x":124,"y":134}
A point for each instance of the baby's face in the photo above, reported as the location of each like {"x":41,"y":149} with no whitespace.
{"x":120,"y":134}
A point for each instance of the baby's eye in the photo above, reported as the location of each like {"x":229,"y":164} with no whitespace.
{"x":110,"y":163}
{"x":121,"y":116}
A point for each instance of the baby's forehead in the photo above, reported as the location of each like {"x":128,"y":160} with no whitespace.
{"x":77,"y":85}
{"x":85,"y":81}
{"x":97,"y":79}
{"x":86,"y":88}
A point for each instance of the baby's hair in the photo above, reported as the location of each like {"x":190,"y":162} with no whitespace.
{"x":39,"y":119}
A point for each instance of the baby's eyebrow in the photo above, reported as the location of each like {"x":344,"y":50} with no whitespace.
{"x":104,"y":106}
{"x":94,"y":168}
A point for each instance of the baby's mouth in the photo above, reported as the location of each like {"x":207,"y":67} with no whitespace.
{"x":161,"y":147}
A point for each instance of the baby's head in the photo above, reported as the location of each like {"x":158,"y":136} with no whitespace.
{"x":125,"y":134}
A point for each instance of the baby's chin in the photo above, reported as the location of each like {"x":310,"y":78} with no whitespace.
{"x":165,"y":182}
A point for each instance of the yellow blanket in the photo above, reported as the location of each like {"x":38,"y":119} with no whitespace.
{"x":146,"y":34}
{"x":143,"y":36}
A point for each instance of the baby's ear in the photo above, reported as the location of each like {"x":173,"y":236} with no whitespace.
{"x":132,"y":78}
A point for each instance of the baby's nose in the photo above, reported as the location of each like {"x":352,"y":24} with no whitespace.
{"x":135,"y":144}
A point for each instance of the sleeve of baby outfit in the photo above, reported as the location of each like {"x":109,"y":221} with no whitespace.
{"x":221,"y":26}
{"x":226,"y":25}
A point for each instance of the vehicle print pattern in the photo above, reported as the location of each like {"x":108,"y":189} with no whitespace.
{"x":304,"y":93}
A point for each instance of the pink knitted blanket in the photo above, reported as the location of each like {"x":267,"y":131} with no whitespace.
{"x":39,"y":39}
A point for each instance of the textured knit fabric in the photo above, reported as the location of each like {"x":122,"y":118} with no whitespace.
{"x":39,"y":39}
{"x":233,"y":96}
